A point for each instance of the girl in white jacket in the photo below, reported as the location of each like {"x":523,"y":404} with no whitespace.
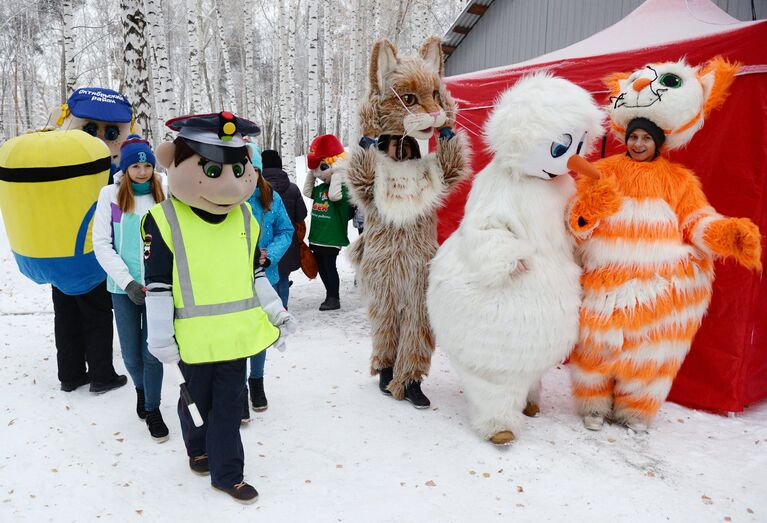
{"x":119,"y":249}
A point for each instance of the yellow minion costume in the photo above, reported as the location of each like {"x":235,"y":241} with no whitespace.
{"x":49,"y":184}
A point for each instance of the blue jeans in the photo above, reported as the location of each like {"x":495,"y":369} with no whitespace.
{"x":258,"y":361}
{"x":283,"y":289}
{"x":144,"y":369}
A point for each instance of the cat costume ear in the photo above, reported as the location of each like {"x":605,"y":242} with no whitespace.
{"x":431,"y":52}
{"x":382,"y":61}
{"x":716,"y":76}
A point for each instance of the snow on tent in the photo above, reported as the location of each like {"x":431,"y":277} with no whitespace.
{"x":726,"y":369}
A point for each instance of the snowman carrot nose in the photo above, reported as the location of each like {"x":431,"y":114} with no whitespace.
{"x":584,"y":168}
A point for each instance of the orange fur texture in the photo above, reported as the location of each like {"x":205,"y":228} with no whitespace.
{"x":599,"y":199}
{"x":724,"y":75}
{"x":648,"y":271}
{"x":736,"y":238}
{"x":612,"y":80}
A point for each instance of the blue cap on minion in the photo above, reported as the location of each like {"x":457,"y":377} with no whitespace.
{"x":135,"y":150}
{"x":255,"y":156}
{"x":98,"y":103}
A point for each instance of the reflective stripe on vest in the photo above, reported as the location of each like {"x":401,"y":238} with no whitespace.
{"x":217,"y":315}
{"x":190,"y":309}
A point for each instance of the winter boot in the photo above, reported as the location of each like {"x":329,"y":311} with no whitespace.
{"x":637,"y":427}
{"x":594,"y":421}
{"x":414,"y":395}
{"x":384,"y":378}
{"x":69,"y":386}
{"x":245,"y":418}
{"x":531,"y":409}
{"x":241,"y":492}
{"x":140,"y":410}
{"x":200,"y":465}
{"x":330,"y":304}
{"x":257,"y":395}
{"x":505,"y":437}
{"x":157,"y":427}
{"x":105,"y":386}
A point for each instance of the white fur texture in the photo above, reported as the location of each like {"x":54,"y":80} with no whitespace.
{"x":500,"y":327}
{"x":407,"y":190}
{"x":504,"y":289}
{"x":536,"y":111}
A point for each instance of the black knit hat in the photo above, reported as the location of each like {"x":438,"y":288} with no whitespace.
{"x":271,"y":158}
{"x":657,"y":134}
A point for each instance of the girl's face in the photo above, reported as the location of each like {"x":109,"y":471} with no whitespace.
{"x":641,"y":146}
{"x":140,"y":172}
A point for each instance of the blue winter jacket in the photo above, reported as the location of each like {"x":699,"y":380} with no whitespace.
{"x":276,"y":231}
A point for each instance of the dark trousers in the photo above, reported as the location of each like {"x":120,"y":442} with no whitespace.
{"x":326,"y":265}
{"x":217,"y":389}
{"x":83,"y":332}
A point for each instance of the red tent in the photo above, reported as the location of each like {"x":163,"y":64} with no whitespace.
{"x":727,"y":367}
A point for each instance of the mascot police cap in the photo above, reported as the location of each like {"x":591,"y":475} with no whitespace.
{"x":215,"y":136}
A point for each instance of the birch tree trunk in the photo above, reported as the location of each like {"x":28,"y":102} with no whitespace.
{"x":358,"y":76}
{"x":70,"y":70}
{"x":287,"y":88}
{"x":136,"y":70}
{"x":329,"y":50}
{"x":249,"y":70}
{"x":230,"y":98}
{"x":163,"y":84}
{"x":419,"y":27}
{"x":313,"y":70}
{"x":195,"y":87}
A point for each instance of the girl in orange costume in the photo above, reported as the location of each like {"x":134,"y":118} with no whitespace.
{"x":648,"y":240}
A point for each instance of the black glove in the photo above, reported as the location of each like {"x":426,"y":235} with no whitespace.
{"x":135,"y":292}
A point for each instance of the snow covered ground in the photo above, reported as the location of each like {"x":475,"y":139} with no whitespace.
{"x":333,"y":448}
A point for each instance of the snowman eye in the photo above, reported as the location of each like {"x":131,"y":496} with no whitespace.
{"x":561,"y":146}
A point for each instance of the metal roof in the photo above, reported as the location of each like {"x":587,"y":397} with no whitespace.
{"x":471,"y":14}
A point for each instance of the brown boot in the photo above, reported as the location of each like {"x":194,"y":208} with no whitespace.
{"x":505,"y":437}
{"x":200,"y":465}
{"x":531,"y":409}
{"x":241,"y":492}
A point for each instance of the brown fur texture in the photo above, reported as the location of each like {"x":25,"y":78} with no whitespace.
{"x":392,"y":256}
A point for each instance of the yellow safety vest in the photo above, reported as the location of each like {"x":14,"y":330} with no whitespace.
{"x":218,"y":316}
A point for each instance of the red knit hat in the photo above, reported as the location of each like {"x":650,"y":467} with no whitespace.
{"x":325,"y":146}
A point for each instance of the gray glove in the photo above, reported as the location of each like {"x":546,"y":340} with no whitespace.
{"x":136,"y":292}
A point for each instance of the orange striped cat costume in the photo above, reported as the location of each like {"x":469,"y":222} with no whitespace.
{"x":648,"y":237}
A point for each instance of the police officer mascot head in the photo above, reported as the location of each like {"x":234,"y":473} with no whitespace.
{"x":208,"y":163}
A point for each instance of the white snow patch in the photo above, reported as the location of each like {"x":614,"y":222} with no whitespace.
{"x":333,"y":448}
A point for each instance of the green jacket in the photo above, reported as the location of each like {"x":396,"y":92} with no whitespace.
{"x":330,"y":220}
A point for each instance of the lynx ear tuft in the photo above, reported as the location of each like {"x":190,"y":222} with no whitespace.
{"x":382,"y":61}
{"x":432,"y":54}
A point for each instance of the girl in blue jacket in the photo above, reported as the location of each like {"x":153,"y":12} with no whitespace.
{"x":275,"y":238}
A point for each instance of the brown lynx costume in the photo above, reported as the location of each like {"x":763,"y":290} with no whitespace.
{"x":399,"y":198}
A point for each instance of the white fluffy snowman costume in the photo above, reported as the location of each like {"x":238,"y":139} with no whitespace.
{"x":504,"y":290}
